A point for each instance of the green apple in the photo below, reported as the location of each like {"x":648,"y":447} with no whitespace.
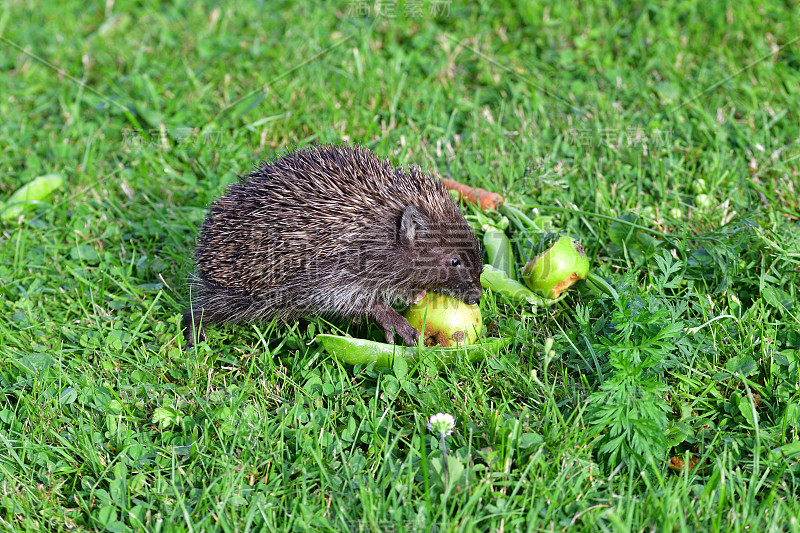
{"x":448,"y":321}
{"x":555,"y":270}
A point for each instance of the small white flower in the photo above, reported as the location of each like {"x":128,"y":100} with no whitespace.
{"x":442,"y":424}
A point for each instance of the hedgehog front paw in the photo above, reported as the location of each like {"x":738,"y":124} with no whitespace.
{"x":393,"y":323}
{"x":409,"y":335}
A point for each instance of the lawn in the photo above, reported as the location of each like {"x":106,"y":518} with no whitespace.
{"x":665,"y":138}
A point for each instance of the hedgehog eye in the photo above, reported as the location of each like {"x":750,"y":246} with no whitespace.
{"x":454,"y":262}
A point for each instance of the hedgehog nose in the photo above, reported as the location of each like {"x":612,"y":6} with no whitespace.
{"x":473,"y":300}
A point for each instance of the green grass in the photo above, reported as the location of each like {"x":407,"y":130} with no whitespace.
{"x":106,"y":423}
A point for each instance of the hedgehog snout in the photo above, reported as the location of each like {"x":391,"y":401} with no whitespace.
{"x":477,"y":289}
{"x":470,"y":293}
{"x":473,"y":296}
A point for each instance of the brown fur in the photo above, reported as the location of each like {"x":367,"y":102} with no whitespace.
{"x":330,"y":231}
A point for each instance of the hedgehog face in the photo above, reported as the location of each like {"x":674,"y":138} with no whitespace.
{"x":452,"y":265}
{"x":460,"y":271}
{"x":443,"y":256}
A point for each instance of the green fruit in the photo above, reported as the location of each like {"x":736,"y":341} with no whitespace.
{"x":448,"y":321}
{"x":363,"y":352}
{"x":556,"y":269}
{"x":498,"y":248}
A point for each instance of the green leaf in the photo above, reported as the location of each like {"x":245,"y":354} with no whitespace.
{"x":778,"y":298}
{"x":668,"y":268}
{"x":166,"y":417}
{"x":791,"y":415}
{"x":747,"y":410}
{"x":400,"y":368}
{"x":7,"y":416}
{"x":84,"y":252}
{"x":106,"y":515}
{"x":742,"y":364}
{"x":35,"y":191}
{"x":68,"y":396}
{"x":678,"y":433}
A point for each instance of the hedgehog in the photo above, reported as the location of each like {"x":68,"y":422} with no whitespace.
{"x":330,"y":231}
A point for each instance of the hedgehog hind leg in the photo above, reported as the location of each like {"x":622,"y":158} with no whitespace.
{"x":214,"y":304}
{"x":193,"y":330}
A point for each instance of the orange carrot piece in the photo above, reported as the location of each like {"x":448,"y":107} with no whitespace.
{"x":481,"y":197}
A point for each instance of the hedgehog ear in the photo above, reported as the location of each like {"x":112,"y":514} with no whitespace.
{"x":410,"y":222}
